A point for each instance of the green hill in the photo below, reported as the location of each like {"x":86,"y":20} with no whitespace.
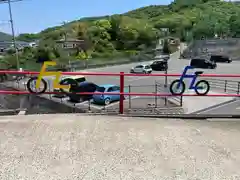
{"x":194,"y":19}
{"x":5,"y":37}
{"x":138,"y":30}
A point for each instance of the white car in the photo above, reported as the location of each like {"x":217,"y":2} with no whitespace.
{"x":146,"y":69}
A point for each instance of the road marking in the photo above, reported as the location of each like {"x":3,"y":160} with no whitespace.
{"x":99,"y":107}
{"x":136,"y":79}
{"x":127,"y":99}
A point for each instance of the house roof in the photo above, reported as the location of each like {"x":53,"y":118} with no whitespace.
{"x":69,"y":40}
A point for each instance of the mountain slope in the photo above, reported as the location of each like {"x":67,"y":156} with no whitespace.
{"x":5,"y":37}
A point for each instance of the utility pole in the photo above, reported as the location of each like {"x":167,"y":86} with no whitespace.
{"x":65,"y":43}
{"x":13,"y":34}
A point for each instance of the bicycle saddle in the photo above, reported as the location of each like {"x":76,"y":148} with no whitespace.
{"x":198,"y":72}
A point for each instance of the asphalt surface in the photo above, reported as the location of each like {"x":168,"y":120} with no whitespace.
{"x":84,"y":147}
{"x":230,"y":108}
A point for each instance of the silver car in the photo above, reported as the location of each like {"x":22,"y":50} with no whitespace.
{"x":146,"y":69}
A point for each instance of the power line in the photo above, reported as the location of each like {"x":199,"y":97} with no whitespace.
{"x":6,"y":1}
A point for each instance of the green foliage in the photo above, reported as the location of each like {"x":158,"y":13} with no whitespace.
{"x":27,"y":37}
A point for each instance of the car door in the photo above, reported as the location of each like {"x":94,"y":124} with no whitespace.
{"x":114,"y":89}
{"x":138,"y":69}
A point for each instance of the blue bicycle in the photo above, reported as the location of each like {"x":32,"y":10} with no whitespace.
{"x":178,"y":86}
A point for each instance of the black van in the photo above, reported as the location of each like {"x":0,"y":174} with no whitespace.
{"x":159,"y":65}
{"x":82,"y":87}
{"x":220,"y":58}
{"x":203,"y":63}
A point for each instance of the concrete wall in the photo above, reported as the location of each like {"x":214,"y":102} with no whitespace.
{"x":33,"y":104}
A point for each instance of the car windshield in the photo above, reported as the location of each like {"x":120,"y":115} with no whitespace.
{"x":80,"y":79}
{"x":139,"y":66}
{"x":156,"y":62}
{"x":147,"y":67}
{"x":100,"y":89}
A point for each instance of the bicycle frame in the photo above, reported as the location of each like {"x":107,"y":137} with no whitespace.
{"x":185,"y":76}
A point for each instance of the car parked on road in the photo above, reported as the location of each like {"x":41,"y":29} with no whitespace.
{"x":107,"y":99}
{"x":142,"y":68}
{"x":82,"y":87}
{"x":72,"y":81}
{"x":159,"y":65}
{"x":220,"y":58}
{"x":203,"y":63}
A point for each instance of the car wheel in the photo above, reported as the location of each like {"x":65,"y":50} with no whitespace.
{"x":107,"y":101}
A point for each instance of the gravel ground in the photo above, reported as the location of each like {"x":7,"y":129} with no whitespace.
{"x":52,"y":147}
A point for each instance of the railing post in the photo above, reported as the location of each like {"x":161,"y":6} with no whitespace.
{"x":129,"y":97}
{"x":181,"y":101}
{"x":225,"y":86}
{"x":121,"y":108}
{"x":156,"y":91}
{"x":238,"y":89}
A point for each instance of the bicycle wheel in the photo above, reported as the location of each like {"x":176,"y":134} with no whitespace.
{"x":202,"y":87}
{"x":31,"y":86}
{"x":177,"y":87}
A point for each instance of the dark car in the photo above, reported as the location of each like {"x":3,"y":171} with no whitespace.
{"x":161,"y":65}
{"x":220,"y":58}
{"x":82,"y":87}
{"x":203,"y":63}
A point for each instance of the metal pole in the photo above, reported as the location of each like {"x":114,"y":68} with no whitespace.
{"x":166,"y":85}
{"x":13,"y":33}
{"x":121,"y":103}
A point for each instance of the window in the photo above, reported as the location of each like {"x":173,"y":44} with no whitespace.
{"x":100,"y":89}
{"x":156,"y":62}
{"x":81,"y":79}
{"x":116,"y":88}
{"x":110,"y":89}
{"x":139,"y":66}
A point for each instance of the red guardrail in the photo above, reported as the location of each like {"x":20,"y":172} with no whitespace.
{"x":122,"y":93}
{"x":121,"y":73}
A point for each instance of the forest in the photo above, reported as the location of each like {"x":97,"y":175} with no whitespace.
{"x":134,"y":32}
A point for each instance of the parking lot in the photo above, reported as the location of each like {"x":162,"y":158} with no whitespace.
{"x":141,"y":84}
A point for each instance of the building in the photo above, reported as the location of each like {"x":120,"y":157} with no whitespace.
{"x":5,"y":45}
{"x":70,"y":43}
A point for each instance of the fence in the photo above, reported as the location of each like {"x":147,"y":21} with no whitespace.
{"x":177,"y":100}
{"x":158,"y":91}
{"x":226,"y":85}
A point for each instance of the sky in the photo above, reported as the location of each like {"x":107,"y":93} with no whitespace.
{"x":32,"y":16}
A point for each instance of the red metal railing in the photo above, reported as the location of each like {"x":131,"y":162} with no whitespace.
{"x":122,"y":93}
{"x":118,"y":74}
